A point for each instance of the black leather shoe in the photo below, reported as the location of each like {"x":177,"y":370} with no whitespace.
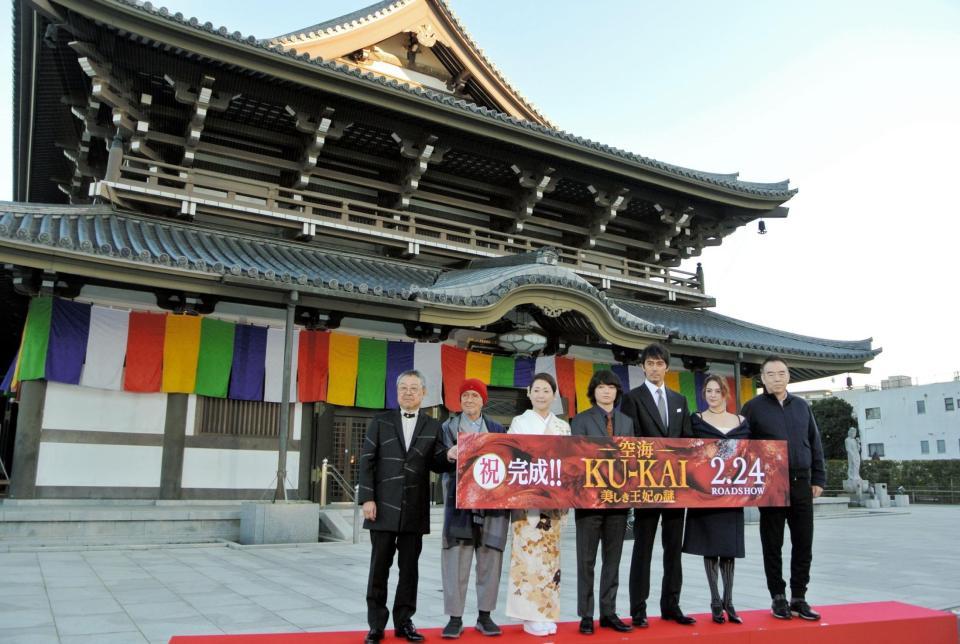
{"x":716,"y":613}
{"x":780,"y":608}
{"x":802,"y":609}
{"x":678,"y":617}
{"x":614,"y":622}
{"x":732,"y":614}
{"x":586,"y":625}
{"x":639,"y":620}
{"x":373,"y":636}
{"x":409,"y":632}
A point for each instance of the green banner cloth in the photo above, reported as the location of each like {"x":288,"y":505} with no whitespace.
{"x":216,"y":357}
{"x":501,"y":371}
{"x":372,"y":373}
{"x":36,"y":338}
{"x":600,"y":366}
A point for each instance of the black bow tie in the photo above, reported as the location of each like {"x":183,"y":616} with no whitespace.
{"x":407,"y":414}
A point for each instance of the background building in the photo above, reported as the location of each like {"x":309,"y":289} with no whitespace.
{"x":902,"y":422}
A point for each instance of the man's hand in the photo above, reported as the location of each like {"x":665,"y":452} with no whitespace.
{"x":452,"y":453}
{"x":370,"y":510}
{"x":817,"y":490}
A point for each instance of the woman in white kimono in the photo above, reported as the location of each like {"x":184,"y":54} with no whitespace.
{"x":534,"y":587}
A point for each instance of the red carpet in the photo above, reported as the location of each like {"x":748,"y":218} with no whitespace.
{"x":873,"y":623}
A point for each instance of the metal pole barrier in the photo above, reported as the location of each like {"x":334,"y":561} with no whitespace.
{"x":356,"y":515}
{"x":324,"y":473}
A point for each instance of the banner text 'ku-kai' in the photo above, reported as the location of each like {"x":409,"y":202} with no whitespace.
{"x":497,"y":471}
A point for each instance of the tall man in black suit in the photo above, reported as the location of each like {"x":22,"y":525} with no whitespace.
{"x":657,"y":412}
{"x":601,"y":526}
{"x":400,"y":448}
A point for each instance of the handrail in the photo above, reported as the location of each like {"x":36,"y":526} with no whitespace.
{"x":307,"y":205}
{"x":328,"y":471}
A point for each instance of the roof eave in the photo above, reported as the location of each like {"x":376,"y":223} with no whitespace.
{"x":285,"y":67}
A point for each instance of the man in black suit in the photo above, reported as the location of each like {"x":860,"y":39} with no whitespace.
{"x":657,"y":412}
{"x":601,"y":526}
{"x":400,"y":448}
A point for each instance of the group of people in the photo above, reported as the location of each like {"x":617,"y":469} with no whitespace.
{"x":402,"y":446}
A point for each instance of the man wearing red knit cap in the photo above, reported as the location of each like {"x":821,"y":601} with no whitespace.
{"x":469,"y":534}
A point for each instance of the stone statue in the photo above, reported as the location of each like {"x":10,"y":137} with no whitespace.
{"x":853,"y":455}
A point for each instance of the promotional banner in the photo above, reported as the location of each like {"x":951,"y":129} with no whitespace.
{"x":500,"y":471}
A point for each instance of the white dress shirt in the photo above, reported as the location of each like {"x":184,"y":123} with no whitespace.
{"x":409,"y":424}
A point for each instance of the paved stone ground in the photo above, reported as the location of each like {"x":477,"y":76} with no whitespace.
{"x":147,"y":594}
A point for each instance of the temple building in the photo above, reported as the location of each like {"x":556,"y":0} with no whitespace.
{"x":201,"y":217}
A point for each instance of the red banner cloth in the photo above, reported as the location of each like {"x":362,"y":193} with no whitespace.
{"x":567,"y":383}
{"x":453,"y":364}
{"x":144,"y":363}
{"x":313,"y":366}
{"x":499,"y":471}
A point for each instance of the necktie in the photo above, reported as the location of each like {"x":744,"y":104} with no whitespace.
{"x":662,"y":406}
{"x":609,"y":424}
{"x":408,"y":415}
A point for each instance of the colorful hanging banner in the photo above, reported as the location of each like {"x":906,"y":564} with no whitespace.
{"x":506,"y":471}
{"x":313,"y":373}
{"x":548,"y":364}
{"x":502,"y":371}
{"x":67,"y":345}
{"x":144,"y":363}
{"x":372,"y":374}
{"x":216,"y":358}
{"x":566,"y":381}
{"x":582,"y":374}
{"x":249,"y":362}
{"x":454,"y":361}
{"x":479,"y":366}
{"x":399,"y":359}
{"x":181,"y":351}
{"x":623,"y":373}
{"x":103,"y":367}
{"x":427,"y":360}
{"x":273,"y":376}
{"x":523,"y":372}
{"x":344,"y":356}
{"x":36,"y":339}
{"x":688,"y":389}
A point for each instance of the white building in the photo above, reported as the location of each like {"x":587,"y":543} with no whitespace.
{"x":903,"y":422}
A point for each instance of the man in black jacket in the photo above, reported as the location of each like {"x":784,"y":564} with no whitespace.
{"x":657,"y":412}
{"x":400,"y":448}
{"x":779,"y":415}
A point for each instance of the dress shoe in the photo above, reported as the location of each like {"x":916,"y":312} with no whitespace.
{"x":801,"y":609}
{"x":732,"y":614}
{"x":540,"y":629}
{"x":487,"y":626}
{"x":639,"y":620}
{"x":373,"y":637}
{"x":716,"y":613}
{"x":586,"y":625}
{"x":614,"y":622}
{"x":780,"y":608}
{"x":453,"y":629}
{"x":678,"y":617}
{"x":409,"y":632}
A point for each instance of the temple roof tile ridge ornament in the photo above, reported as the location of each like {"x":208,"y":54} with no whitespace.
{"x":776,"y":191}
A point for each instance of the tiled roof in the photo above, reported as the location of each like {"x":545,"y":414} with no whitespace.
{"x":778,"y":191}
{"x":98,"y":230}
{"x":707,"y":327}
{"x":101,"y":231}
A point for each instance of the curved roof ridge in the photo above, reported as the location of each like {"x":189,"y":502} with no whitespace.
{"x":862,"y":345}
{"x":347,"y":21}
{"x":779,"y":191}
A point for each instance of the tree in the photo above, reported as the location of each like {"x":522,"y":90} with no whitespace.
{"x":835,"y":417}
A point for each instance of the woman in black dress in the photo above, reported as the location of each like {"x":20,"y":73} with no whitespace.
{"x":717,"y":533}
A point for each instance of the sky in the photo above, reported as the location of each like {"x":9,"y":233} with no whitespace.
{"x":856,"y":102}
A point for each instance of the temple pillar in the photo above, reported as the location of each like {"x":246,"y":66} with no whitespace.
{"x":26,"y":447}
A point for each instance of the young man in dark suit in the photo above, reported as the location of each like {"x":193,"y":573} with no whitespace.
{"x":601,"y":526}
{"x":657,"y":412}
{"x":400,"y":448}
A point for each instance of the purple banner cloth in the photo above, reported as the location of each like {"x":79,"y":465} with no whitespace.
{"x":249,"y":362}
{"x":523,"y":372}
{"x":67,"y":350}
{"x":698,"y":378}
{"x":399,"y":359}
{"x":8,"y":379}
{"x":623,"y":373}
